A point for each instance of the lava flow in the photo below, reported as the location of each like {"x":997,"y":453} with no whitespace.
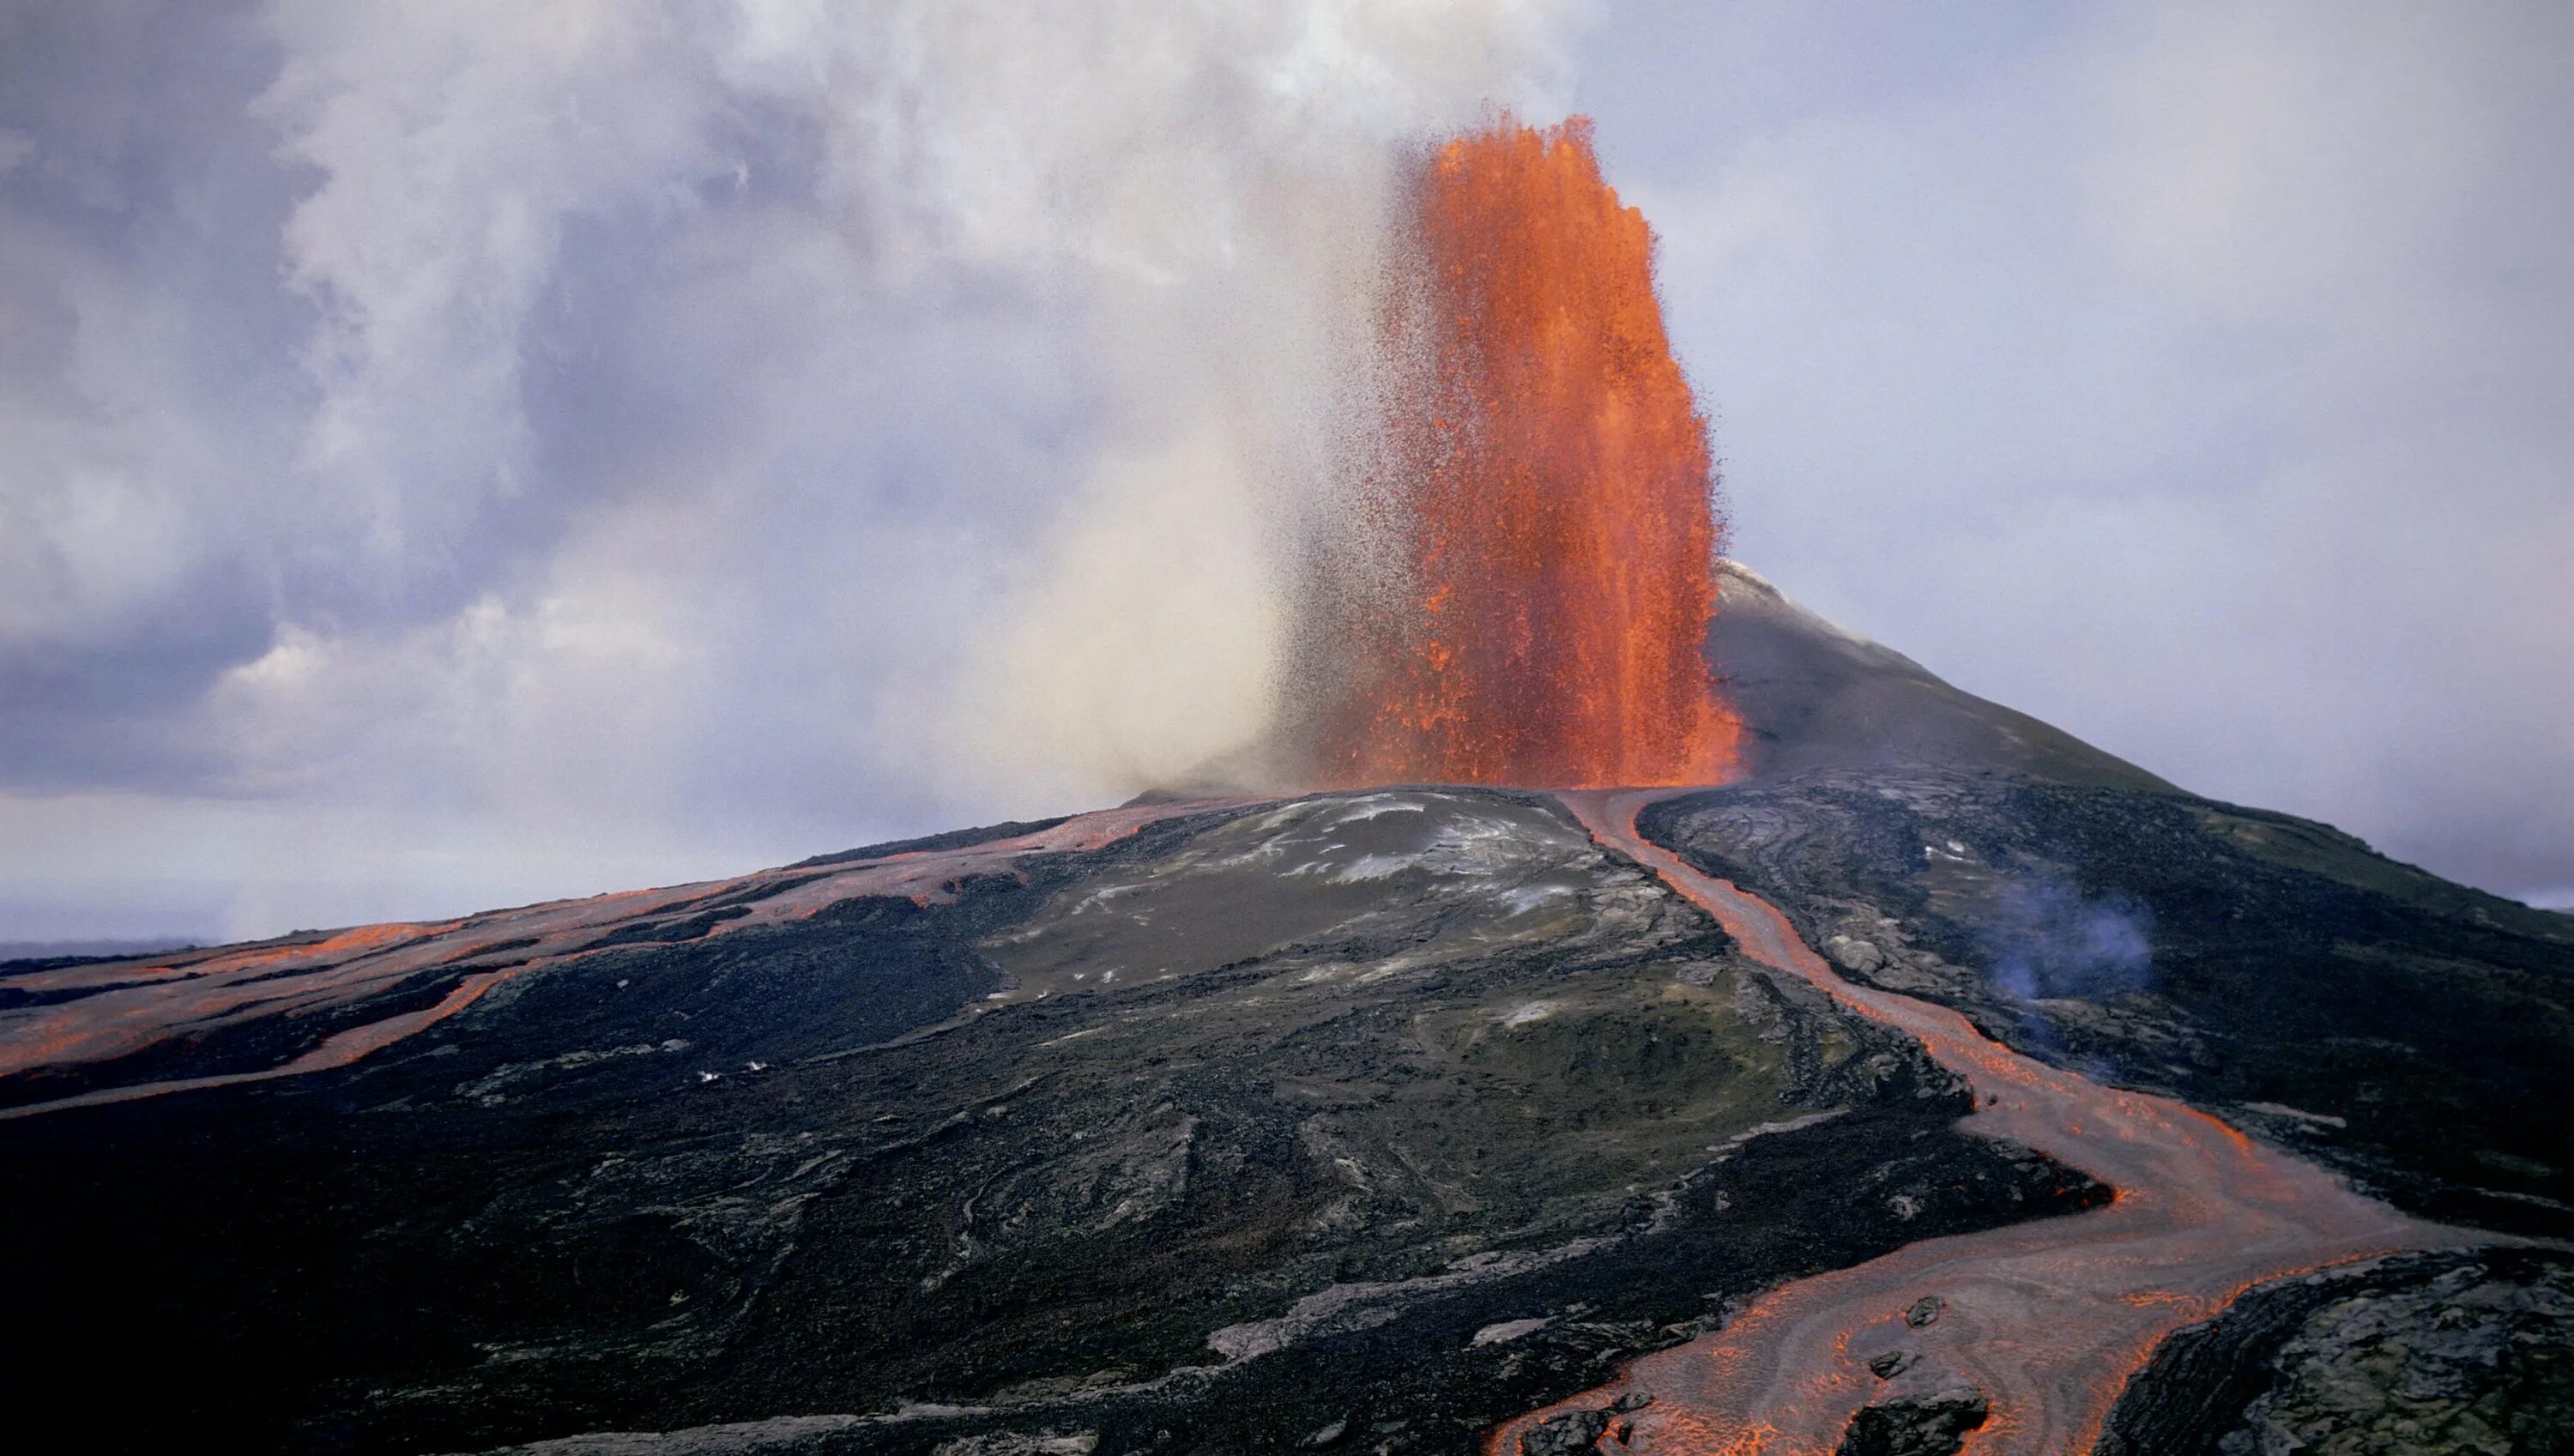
{"x":2048,"y":1319}
{"x":1546,"y":476}
{"x":94,"y":1015}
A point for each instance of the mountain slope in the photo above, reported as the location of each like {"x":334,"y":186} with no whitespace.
{"x":1357,"y":1121}
{"x":1394,"y":1112}
{"x":2389,"y":1022}
{"x":1817,"y":697}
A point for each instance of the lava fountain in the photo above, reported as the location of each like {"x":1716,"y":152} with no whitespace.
{"x":1544,"y":482}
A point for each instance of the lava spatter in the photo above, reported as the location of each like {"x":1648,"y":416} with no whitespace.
{"x":1547,"y":470}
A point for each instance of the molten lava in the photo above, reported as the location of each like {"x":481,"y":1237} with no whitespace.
{"x":1547,"y":470}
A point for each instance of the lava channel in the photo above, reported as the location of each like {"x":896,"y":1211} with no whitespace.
{"x":2048,"y":1318}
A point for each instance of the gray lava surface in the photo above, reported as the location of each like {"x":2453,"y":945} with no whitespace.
{"x":1357,"y":1122}
{"x":2436,"y":1353}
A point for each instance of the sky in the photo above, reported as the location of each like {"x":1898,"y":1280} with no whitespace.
{"x":452,"y":456}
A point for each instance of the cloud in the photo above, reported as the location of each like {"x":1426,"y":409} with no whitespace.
{"x":2188,"y":375}
{"x":571,"y":442}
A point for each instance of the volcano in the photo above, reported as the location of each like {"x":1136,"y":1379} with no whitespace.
{"x":1939,"y":1083}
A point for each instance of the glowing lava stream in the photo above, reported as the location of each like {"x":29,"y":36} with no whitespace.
{"x":2048,"y":1318}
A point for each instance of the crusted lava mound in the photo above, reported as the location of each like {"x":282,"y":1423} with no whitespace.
{"x":2433,"y":1353}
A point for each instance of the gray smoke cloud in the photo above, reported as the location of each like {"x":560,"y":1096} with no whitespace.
{"x":2045,"y":940}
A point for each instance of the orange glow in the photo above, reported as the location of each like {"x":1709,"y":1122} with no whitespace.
{"x":1548,"y":469}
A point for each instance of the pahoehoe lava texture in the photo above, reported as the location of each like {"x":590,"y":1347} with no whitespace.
{"x":2038,"y":1326}
{"x":1363,"y":1121}
{"x":2433,"y":1353}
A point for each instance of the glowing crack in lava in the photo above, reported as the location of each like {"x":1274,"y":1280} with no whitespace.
{"x":1546,"y":476}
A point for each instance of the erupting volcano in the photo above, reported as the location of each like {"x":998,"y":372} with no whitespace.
{"x":1844,"y":1065}
{"x":1547,"y":476}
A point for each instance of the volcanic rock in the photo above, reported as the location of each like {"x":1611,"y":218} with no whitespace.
{"x":1241,"y":1122}
{"x":1817,"y":697}
{"x":2086,"y":913}
{"x":2431,"y":1353}
{"x":1893,"y":1363}
{"x":1565,"y":1435}
{"x":1935,"y":1424}
{"x":1853,"y":954}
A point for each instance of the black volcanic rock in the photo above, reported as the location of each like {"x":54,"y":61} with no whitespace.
{"x":2431,"y":1353}
{"x":2276,"y":970}
{"x":1933,"y":1424}
{"x":1400,"y":1112}
{"x":2273,"y":971}
{"x":1816,"y":697}
{"x":1565,"y":1435}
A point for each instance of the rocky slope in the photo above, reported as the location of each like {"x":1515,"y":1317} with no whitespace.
{"x":1818,"y":697}
{"x":2433,"y":1353}
{"x":2390,"y":1024}
{"x":1365,"y":1121}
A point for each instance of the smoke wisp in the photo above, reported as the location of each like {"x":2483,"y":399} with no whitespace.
{"x":2046,"y":939}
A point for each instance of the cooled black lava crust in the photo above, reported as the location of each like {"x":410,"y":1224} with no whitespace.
{"x":1466,"y":1114}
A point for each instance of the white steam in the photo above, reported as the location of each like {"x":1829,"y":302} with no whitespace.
{"x":573,"y":433}
{"x":1241,"y":201}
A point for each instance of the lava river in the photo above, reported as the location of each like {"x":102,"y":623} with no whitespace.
{"x":2048,"y":1319}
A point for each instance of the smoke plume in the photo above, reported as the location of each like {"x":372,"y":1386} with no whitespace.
{"x":2046,"y":939}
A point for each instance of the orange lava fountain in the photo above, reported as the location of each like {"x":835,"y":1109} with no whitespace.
{"x":1547,"y":474}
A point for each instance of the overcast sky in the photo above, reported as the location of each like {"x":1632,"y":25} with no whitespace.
{"x":453,"y":455}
